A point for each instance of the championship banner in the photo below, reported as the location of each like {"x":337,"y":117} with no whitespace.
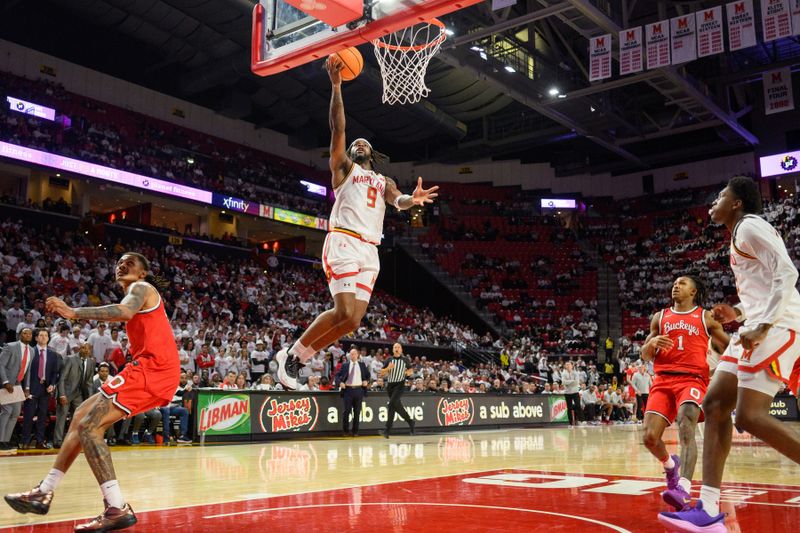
{"x":776,"y":19}
{"x":657,"y":44}
{"x":600,"y":57}
{"x":778,"y":95}
{"x":684,"y":41}
{"x":630,"y":51}
{"x":709,"y":32}
{"x":795,"y":4}
{"x":223,"y":414}
{"x":741,"y":25}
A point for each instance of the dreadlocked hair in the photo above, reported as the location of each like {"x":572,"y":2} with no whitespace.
{"x":160,"y":283}
{"x":700,"y":286}
{"x":745,"y":189}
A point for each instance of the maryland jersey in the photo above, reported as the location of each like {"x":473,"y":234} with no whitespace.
{"x":765,"y":275}
{"x":359,"y":205}
{"x":690,"y":340}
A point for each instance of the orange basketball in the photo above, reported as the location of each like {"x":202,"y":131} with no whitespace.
{"x":353,"y":63}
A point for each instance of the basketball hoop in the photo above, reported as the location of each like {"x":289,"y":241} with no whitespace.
{"x":404,"y":56}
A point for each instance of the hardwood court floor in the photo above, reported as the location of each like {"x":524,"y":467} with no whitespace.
{"x":512,"y":480}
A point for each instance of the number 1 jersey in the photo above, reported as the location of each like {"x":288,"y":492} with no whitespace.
{"x":359,"y":204}
{"x":690,"y":339}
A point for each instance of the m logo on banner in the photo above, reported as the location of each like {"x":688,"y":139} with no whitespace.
{"x":778,"y":95}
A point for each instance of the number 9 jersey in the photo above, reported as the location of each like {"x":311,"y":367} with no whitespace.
{"x":690,"y":343}
{"x":359,"y":207}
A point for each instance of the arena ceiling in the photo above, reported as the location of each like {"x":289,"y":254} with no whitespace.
{"x":199,"y":50}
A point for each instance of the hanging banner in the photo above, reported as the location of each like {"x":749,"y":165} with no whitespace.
{"x":630,"y":51}
{"x":795,"y":17}
{"x":600,"y":57}
{"x":709,"y":32}
{"x":684,"y":41}
{"x":778,"y":91}
{"x":657,"y":44}
{"x":776,"y":19}
{"x":741,"y":25}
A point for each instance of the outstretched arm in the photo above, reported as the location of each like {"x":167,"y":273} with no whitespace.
{"x":340,"y":163}
{"x":121,"y":312}
{"x":401,"y":201}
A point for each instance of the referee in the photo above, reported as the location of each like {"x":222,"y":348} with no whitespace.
{"x":397,"y":368}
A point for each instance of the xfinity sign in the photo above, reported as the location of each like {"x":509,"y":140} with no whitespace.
{"x":235,"y":203}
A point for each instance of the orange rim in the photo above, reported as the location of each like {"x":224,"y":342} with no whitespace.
{"x":419,"y":47}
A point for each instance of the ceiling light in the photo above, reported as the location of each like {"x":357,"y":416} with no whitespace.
{"x":476,"y":48}
{"x":553,"y":91}
{"x":449,"y":32}
{"x":562,"y":95}
{"x":190,"y":160}
{"x":592,"y":109}
{"x":509,"y":68}
{"x":483,"y":55}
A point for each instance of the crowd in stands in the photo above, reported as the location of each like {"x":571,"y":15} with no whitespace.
{"x":119,"y":138}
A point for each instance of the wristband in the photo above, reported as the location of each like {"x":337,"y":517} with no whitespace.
{"x":400,"y":198}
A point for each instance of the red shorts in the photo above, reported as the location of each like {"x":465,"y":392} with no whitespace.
{"x":669,"y":392}
{"x":141,"y":387}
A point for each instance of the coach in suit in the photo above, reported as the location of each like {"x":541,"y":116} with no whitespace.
{"x":15,"y":358}
{"x":353,"y":380}
{"x":40,"y":381}
{"x":74,"y":385}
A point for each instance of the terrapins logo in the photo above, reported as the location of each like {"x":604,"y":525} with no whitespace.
{"x":789,"y":163}
{"x":458,"y":412}
{"x":294,"y":414}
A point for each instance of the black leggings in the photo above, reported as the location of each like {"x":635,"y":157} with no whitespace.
{"x":573,"y":407}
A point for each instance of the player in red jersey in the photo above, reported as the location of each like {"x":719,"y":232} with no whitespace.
{"x":678,"y":346}
{"x":148,"y":381}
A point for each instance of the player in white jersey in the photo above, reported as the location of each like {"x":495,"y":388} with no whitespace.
{"x":751,"y":369}
{"x":350,"y":254}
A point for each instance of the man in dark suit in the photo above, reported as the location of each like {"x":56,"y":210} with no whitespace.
{"x":353,"y":380}
{"x":15,"y":358}
{"x":40,"y":382}
{"x":73,"y":387}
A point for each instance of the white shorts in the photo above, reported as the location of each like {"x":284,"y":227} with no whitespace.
{"x":763,"y":369}
{"x":351,"y":265}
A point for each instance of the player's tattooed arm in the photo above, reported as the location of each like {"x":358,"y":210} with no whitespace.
{"x":121,"y":312}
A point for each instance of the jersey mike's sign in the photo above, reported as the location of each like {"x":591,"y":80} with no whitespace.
{"x":223,"y":414}
{"x":288,"y":414}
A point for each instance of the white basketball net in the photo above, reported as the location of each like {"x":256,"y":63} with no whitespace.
{"x":403,"y":57}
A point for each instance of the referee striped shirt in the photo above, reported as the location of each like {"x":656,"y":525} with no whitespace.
{"x":401,"y":364}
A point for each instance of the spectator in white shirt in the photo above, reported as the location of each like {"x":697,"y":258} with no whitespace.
{"x":60,"y":343}
{"x":100,"y":342}
{"x":14,"y":316}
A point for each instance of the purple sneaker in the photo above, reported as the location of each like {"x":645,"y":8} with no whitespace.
{"x":673,"y":474}
{"x":693,"y":520}
{"x":678,"y":498}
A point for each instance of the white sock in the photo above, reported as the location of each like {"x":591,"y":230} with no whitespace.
{"x":297,"y":349}
{"x":112,"y":494}
{"x":685,"y":485}
{"x":669,"y":464}
{"x":710,"y":498}
{"x":52,"y":480}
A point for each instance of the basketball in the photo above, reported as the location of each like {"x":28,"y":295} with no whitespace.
{"x":353,"y":63}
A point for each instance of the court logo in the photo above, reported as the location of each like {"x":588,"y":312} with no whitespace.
{"x":295,"y":414}
{"x":224,"y":415}
{"x":558,"y":410}
{"x":458,"y":412}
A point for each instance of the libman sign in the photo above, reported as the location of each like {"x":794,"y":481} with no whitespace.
{"x":223,"y":414}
